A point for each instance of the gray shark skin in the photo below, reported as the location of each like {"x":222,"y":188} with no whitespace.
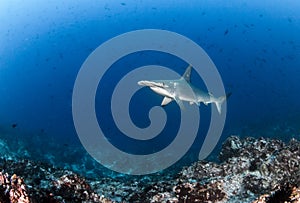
{"x":183,"y":90}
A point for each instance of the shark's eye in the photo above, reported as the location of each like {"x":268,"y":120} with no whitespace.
{"x":164,"y":84}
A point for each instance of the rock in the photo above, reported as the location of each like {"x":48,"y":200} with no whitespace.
{"x":196,"y":192}
{"x":249,"y":171}
{"x":284,"y":193}
{"x":13,"y":189}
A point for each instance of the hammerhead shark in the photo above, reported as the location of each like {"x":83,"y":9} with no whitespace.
{"x":183,"y":90}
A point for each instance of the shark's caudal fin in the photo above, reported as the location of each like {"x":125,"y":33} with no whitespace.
{"x":220,"y":100}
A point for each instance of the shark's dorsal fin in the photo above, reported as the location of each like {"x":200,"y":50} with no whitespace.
{"x":166,"y":100}
{"x":187,"y":74}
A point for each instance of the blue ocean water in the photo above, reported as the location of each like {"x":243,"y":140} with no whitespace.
{"x":255,"y":46}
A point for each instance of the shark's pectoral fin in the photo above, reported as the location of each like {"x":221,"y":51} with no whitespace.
{"x":180,"y":103}
{"x":166,"y":100}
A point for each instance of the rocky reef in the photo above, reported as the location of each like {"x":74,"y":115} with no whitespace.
{"x":250,"y":170}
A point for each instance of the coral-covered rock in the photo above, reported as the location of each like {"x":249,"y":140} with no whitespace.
{"x":284,"y":193}
{"x":43,"y":183}
{"x":196,"y":192}
{"x":250,"y":169}
{"x":13,"y":189}
{"x":249,"y":147}
{"x":72,"y":187}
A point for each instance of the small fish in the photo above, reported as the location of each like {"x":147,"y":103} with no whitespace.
{"x":14,"y":125}
{"x":226,"y":32}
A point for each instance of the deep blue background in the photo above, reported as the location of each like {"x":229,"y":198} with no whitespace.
{"x":255,"y":46}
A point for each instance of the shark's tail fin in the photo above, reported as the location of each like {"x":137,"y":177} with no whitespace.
{"x":220,"y":100}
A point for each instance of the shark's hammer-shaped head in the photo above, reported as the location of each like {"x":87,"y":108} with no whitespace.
{"x":160,"y":87}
